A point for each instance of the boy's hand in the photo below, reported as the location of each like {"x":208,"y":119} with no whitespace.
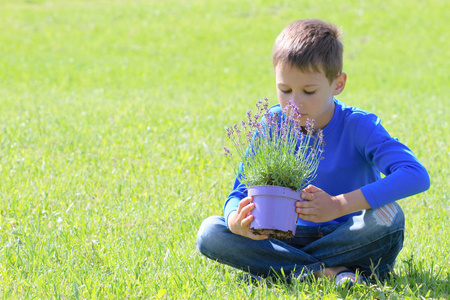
{"x":318,"y":205}
{"x":238,"y":221}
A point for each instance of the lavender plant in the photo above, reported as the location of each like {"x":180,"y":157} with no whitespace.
{"x":274,"y":149}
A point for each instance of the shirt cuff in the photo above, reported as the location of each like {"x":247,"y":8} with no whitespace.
{"x":232,"y":205}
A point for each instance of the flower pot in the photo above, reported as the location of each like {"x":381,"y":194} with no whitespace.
{"x":274,"y":212}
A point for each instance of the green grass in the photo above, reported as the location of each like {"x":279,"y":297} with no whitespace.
{"x":112,"y":117}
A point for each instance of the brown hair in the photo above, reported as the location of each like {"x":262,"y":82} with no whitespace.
{"x":310,"y":45}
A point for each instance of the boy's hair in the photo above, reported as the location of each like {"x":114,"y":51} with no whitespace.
{"x":310,"y":45}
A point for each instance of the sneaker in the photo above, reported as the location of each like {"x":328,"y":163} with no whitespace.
{"x":347,"y":279}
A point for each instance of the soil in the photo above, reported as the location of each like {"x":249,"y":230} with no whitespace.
{"x":273,"y":233}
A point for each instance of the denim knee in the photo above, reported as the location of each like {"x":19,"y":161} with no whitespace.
{"x":389,"y":215}
{"x":209,"y":231}
{"x":388,"y":218}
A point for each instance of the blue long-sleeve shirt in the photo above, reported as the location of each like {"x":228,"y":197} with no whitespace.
{"x":357,"y":148}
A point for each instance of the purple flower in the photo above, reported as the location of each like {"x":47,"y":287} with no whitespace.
{"x":249,"y":136}
{"x":309,"y":126}
{"x":278,"y":150}
{"x":227,"y":151}
{"x":275,"y":117}
{"x":249,"y":115}
{"x":228,"y":132}
{"x":266,"y":103}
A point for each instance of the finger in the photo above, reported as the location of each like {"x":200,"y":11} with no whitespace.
{"x":246,"y":221}
{"x":247,"y":209}
{"x":311,"y":189}
{"x":257,"y":237}
{"x":305,"y":211}
{"x":243,"y":203}
{"x":311,"y":218}
{"x":307,"y":196}
{"x":304,"y":204}
{"x":250,"y":234}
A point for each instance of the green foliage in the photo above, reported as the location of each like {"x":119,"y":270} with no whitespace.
{"x":276,"y":150}
{"x":112,"y":118}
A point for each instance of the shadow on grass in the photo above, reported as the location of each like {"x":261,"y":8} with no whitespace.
{"x":414,"y":280}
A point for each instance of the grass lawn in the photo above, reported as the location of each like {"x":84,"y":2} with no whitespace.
{"x":112,"y":117}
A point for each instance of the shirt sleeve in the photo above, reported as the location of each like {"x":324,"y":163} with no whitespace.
{"x":238,"y":193}
{"x":404,"y":174}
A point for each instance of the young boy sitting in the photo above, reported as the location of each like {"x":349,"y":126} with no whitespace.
{"x":349,"y":220}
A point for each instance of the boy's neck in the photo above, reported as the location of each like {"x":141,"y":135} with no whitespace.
{"x":328,"y":117}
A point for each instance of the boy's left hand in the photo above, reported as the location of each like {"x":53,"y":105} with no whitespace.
{"x":318,"y":205}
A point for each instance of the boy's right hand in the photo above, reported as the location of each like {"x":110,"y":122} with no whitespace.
{"x":239,"y":220}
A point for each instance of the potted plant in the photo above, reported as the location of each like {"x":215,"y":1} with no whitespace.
{"x":279,"y":158}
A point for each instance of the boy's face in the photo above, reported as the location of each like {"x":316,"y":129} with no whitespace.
{"x":310,"y":91}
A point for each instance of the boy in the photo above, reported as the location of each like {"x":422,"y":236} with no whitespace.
{"x":349,"y":221}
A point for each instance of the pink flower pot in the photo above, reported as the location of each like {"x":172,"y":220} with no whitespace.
{"x":274,"y":212}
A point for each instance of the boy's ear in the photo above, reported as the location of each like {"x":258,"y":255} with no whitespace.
{"x":339,"y":83}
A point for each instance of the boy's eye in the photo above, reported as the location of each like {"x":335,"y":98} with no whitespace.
{"x":285,"y":91}
{"x":309,"y":92}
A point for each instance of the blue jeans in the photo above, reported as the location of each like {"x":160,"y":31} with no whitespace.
{"x":368,"y":242}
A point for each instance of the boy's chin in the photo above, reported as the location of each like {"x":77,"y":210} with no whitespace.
{"x":303,"y":120}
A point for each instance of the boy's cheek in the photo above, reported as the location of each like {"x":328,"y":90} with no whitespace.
{"x":283,"y":102}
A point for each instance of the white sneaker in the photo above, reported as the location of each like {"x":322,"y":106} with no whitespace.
{"x":347,"y":279}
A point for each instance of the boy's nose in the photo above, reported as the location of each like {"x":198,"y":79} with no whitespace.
{"x":297,"y":99}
